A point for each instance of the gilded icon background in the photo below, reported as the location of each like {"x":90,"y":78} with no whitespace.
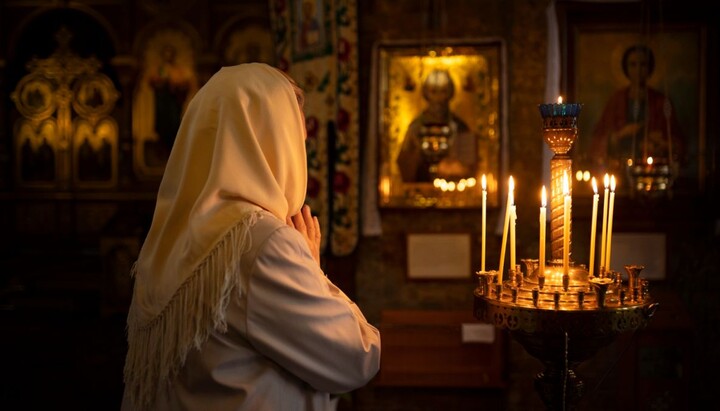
{"x":166,"y":84}
{"x":669,"y":125}
{"x":440,"y":124}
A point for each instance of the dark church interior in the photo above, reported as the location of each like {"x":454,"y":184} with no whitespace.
{"x":84,"y":82}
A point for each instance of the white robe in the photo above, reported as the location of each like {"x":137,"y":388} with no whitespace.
{"x":294,"y":340}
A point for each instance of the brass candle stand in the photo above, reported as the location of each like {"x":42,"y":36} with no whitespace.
{"x":561,"y":317}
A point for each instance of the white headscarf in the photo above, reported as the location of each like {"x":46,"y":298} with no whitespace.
{"x":240,"y":148}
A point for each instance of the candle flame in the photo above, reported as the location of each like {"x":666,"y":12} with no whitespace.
{"x":612,"y":183}
{"x":649,"y":160}
{"x":385,"y":186}
{"x":484,"y":182}
{"x":566,"y":184}
{"x":559,"y":99}
{"x":606,"y":180}
{"x":543,"y":196}
{"x":594,"y":185}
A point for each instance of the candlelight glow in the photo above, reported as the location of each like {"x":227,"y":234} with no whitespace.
{"x":483,"y":182}
{"x":582,"y":175}
{"x":543,"y":197}
{"x":559,"y":99}
{"x":460,"y":186}
{"x":649,"y":160}
{"x":385,"y":188}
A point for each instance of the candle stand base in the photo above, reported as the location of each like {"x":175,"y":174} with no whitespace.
{"x":561,"y":326}
{"x":555,"y":384}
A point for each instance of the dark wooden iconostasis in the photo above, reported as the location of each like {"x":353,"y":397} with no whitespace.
{"x":92,"y":110}
{"x":64,"y":143}
{"x":82,"y":150}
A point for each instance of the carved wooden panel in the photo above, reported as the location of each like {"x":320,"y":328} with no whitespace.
{"x":65,"y":136}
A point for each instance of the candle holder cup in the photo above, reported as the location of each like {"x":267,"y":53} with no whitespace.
{"x":485,"y":282}
{"x":633,"y":271}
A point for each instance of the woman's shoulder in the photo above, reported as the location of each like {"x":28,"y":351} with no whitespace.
{"x":270,"y":227}
{"x":266,"y":223}
{"x":272,"y":236}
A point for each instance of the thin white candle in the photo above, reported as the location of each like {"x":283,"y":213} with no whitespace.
{"x":610,"y":222}
{"x":593,"y":226}
{"x":543,"y":218}
{"x":484,"y":220}
{"x":508,"y":211}
{"x":513,"y":222}
{"x":603,"y":238}
{"x":566,"y":225}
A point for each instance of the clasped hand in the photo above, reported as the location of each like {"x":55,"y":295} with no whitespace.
{"x":309,"y":226}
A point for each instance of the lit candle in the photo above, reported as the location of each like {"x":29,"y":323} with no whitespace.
{"x":610,"y":222}
{"x":543,"y":218}
{"x":553,"y":113}
{"x":566,"y":225}
{"x":508,"y":211}
{"x":593,"y":226}
{"x":385,"y":189}
{"x":603,"y":235}
{"x":484,"y":220}
{"x":513,"y":222}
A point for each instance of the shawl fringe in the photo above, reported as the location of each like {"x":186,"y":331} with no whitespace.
{"x":158,"y":349}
